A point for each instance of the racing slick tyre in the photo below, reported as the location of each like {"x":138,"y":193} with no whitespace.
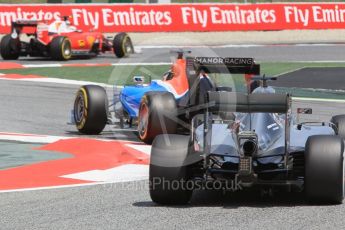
{"x":9,"y":48}
{"x":168,"y":172}
{"x":324,"y":169}
{"x":61,"y":48}
{"x":91,"y":109}
{"x":157,"y":115}
{"x":339,"y":122}
{"x":122,"y":45}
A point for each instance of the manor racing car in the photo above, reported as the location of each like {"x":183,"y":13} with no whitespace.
{"x":254,"y":139}
{"x":60,"y":41}
{"x":162,"y":106}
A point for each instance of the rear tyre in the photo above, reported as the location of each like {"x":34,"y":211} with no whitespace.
{"x":324,"y":169}
{"x":157,"y":115}
{"x":169,"y":171}
{"x":339,"y":121}
{"x":122,"y":45}
{"x":61,"y":48}
{"x":9,"y":48}
{"x":91,"y":109}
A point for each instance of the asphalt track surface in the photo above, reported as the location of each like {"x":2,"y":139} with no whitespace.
{"x":42,"y":108}
{"x":317,"y":78}
{"x":278,"y":53}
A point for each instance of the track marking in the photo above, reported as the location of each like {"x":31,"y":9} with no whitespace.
{"x":236,"y":45}
{"x":31,"y":138}
{"x":13,"y":65}
{"x":318,"y":99}
{"x":55,"y":81}
{"x":123,"y":173}
{"x":93,"y":161}
{"x":289,"y":71}
{"x":56,"y":187}
{"x":142,"y":148}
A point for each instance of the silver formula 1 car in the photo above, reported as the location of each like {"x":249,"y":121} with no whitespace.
{"x":253,"y":139}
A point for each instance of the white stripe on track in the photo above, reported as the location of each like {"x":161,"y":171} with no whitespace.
{"x":96,"y":64}
{"x":54,"y":187}
{"x":318,"y":99}
{"x":235,"y":45}
{"x":41,"y":65}
{"x":57,"y":81}
{"x":122,"y":173}
{"x":31,"y":138}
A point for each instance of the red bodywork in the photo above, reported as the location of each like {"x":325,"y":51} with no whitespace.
{"x":80,"y":41}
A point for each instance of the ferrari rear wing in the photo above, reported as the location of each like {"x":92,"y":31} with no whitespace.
{"x":24,"y":26}
{"x":232,"y":65}
{"x":244,"y":103}
{"x":31,"y":23}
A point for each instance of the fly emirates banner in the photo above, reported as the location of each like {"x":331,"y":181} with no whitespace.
{"x":181,"y":17}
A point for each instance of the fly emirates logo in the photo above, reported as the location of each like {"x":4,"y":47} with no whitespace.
{"x":314,"y":14}
{"x":299,"y":15}
{"x":217,"y":15}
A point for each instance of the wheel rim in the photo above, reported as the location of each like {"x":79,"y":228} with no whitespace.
{"x":79,"y":108}
{"x":143,"y":120}
{"x":66,"y":49}
{"x":128,"y":46}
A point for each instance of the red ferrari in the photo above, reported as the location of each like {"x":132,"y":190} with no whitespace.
{"x":60,"y":41}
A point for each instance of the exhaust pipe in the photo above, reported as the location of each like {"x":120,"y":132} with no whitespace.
{"x":249,"y":148}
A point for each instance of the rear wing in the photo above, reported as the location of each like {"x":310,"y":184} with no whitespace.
{"x":227,"y":65}
{"x":244,"y":103}
{"x":252,"y":103}
{"x":232,"y":65}
{"x":31,"y":23}
{"x":24,"y":26}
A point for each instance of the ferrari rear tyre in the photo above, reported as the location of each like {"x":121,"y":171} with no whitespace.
{"x":9,"y":48}
{"x":157,"y":115}
{"x":169,"y":173}
{"x":122,"y":45}
{"x":91,"y":109}
{"x":61,"y":48}
{"x":339,"y":121}
{"x":324,"y":169}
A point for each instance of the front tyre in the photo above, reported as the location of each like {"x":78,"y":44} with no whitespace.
{"x":9,"y":48}
{"x":324,"y":169}
{"x":169,"y":172}
{"x":61,"y":48}
{"x":122,"y":45}
{"x":91,"y":109}
{"x":157,"y":115}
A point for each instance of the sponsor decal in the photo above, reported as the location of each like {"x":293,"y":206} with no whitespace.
{"x":81,"y":43}
{"x":224,"y":61}
{"x":178,"y":17}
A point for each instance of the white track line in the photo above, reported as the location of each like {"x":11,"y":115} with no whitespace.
{"x":123,"y":173}
{"x":96,"y":64}
{"x":234,"y":45}
{"x":56,"y":81}
{"x":141,"y":64}
{"x":318,"y":99}
{"x":41,"y":65}
{"x":31,"y":138}
{"x":54,"y":187}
